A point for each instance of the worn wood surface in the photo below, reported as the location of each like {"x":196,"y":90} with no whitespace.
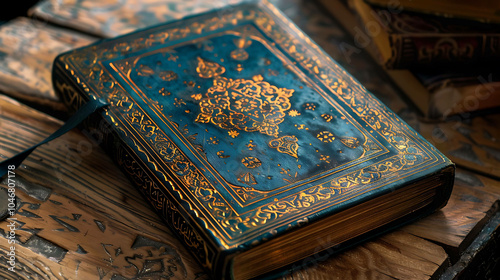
{"x":78,"y":217}
{"x":28,"y":48}
{"x":469,"y":208}
{"x":110,"y":18}
{"x":396,"y":255}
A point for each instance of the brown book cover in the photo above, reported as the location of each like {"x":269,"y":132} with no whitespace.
{"x":409,"y":40}
{"x":479,"y":10}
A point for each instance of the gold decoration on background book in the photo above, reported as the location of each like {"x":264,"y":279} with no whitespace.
{"x":286,"y":145}
{"x":207,"y":69}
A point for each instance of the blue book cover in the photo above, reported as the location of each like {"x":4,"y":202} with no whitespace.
{"x":257,"y":148}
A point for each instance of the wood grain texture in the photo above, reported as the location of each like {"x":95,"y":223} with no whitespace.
{"x":28,"y":48}
{"x":473,"y":143}
{"x":110,"y":18}
{"x":458,"y":224}
{"x":78,"y":217}
{"x":397,"y":255}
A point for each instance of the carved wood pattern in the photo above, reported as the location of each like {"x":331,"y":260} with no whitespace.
{"x":79,"y":221}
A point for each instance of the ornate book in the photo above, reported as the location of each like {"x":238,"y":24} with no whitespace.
{"x":257,"y":148}
{"x":482,"y":10}
{"x":408,"y":40}
{"x":437,"y":94}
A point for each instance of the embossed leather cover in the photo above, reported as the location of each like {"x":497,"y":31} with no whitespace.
{"x":238,"y":128}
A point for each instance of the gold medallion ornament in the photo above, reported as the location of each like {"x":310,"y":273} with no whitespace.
{"x":240,"y":104}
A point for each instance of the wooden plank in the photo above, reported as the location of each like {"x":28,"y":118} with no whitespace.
{"x":471,"y":205}
{"x":482,"y":259}
{"x":473,"y":143}
{"x":397,"y":255}
{"x":109,"y":18}
{"x":28,"y":49}
{"x":78,"y":216}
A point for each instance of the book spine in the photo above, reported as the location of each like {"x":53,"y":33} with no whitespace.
{"x":432,"y":49}
{"x":164,"y":203}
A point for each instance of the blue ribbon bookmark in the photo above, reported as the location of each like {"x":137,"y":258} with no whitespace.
{"x":86,"y":110}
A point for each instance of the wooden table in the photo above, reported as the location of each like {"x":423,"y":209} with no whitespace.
{"x":77,"y":217}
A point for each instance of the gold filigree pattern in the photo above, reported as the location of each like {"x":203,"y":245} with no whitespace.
{"x":144,"y":70}
{"x":197,"y":96}
{"x":287,"y":145}
{"x":327,"y":117}
{"x":310,"y":106}
{"x":351,"y":142}
{"x":233,"y":133}
{"x":247,"y":178}
{"x":207,"y":69}
{"x":221,"y":154}
{"x":251,"y":162}
{"x":164,"y":92}
{"x":240,"y":54}
{"x":245,"y":105}
{"x":168,"y":76}
{"x":325,"y":136}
